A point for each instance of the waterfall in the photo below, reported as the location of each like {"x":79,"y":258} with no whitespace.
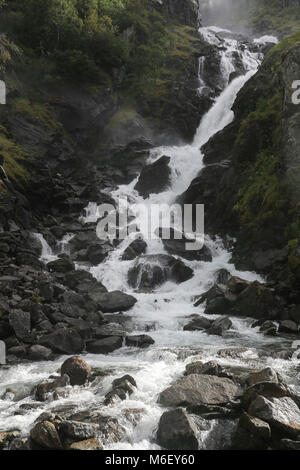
{"x":166,"y":309}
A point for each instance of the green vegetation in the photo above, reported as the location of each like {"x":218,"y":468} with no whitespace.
{"x":14,"y":158}
{"x":272,"y":16}
{"x":35,"y":112}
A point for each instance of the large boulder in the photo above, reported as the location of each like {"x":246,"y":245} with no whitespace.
{"x":21,"y":323}
{"x":264,"y":375}
{"x":39,"y":353}
{"x":61,"y":265}
{"x":115,"y":301}
{"x":64,"y":341}
{"x":105,"y":345}
{"x":139,"y":341}
{"x":177,"y":431}
{"x":77,"y":369}
{"x":198,"y":324}
{"x":178,"y":244}
{"x":154,"y":178}
{"x":251,"y":434}
{"x":281,"y":413}
{"x":45,"y":388}
{"x":137,"y":248}
{"x":45,"y":435}
{"x":219,"y":326}
{"x":241,"y":298}
{"x":151,"y":271}
{"x":200,"y":389}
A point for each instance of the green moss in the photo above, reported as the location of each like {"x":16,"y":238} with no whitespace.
{"x":14,"y":159}
{"x":263,"y":193}
{"x":122,"y":117}
{"x":36,"y":112}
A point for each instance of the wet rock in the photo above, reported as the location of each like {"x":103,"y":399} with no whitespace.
{"x":115,"y":301}
{"x":198,"y":324}
{"x":222,"y":276}
{"x":288,"y":444}
{"x":151,"y":271}
{"x":129,"y":378}
{"x":251,"y":434}
{"x":110,"y":431}
{"x":281,"y":413}
{"x":179,"y":244}
{"x":241,"y":298}
{"x":88,"y":444}
{"x":288,"y":326}
{"x":45,"y":388}
{"x":233,"y":353}
{"x":265,"y":375}
{"x":21,"y":323}
{"x":77,"y":369}
{"x":133,"y":415}
{"x":45,"y":435}
{"x":196,"y":389}
{"x":65,"y":341}
{"x":18,"y":351}
{"x":209,"y":368}
{"x":136,"y":248}
{"x":7,"y":437}
{"x":105,"y":345}
{"x":217,"y":303}
{"x":61,"y":265}
{"x":219,"y":326}
{"x":20,"y":444}
{"x":176,"y":430}
{"x":39,"y":353}
{"x":76,"y":430}
{"x":139,"y":341}
{"x":266,"y":389}
{"x":154,"y":178}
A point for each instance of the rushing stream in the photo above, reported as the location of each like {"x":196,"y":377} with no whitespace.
{"x":164,"y":312}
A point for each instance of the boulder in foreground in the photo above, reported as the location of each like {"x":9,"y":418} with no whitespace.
{"x":177,"y":431}
{"x":196,"y":389}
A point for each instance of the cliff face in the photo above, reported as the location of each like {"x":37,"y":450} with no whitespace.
{"x":55,"y":123}
{"x":250,"y":184}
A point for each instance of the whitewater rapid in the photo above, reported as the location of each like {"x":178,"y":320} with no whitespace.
{"x":164,"y":312}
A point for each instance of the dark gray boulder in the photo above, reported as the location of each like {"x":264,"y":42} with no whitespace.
{"x":198,"y":324}
{"x":219,"y":326}
{"x":139,"y":341}
{"x":177,"y":431}
{"x":61,"y":265}
{"x":178,"y":244}
{"x":154,"y":178}
{"x":115,"y":301}
{"x":137,"y":248}
{"x":151,"y":271}
{"x":20,"y":322}
{"x":38,"y":352}
{"x":64,"y":340}
{"x":105,"y":345}
{"x":197,"y":389}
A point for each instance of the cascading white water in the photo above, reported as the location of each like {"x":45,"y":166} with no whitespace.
{"x":163,"y":311}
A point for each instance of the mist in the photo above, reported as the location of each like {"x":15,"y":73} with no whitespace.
{"x":225,"y":13}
